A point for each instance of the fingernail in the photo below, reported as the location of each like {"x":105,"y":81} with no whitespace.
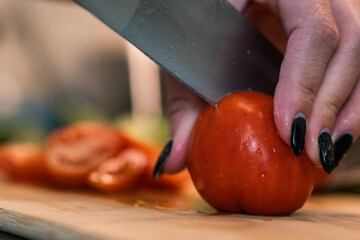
{"x":326,"y":151}
{"x":158,"y":169}
{"x":298,"y":132}
{"x":341,"y":146}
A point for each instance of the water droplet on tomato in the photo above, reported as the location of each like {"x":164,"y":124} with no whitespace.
{"x":262,"y":178}
{"x":274,"y":150}
{"x":258,"y":151}
{"x":199,"y":184}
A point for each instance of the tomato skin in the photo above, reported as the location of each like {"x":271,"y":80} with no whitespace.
{"x":119,"y":173}
{"x":238,"y":162}
{"x":321,"y":179}
{"x":23,"y":161}
{"x":74,"y":151}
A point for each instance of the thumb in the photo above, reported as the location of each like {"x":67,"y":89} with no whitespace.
{"x":183,"y":109}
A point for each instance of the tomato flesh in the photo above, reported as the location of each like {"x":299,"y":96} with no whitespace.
{"x":73,"y":152}
{"x":119,"y":173}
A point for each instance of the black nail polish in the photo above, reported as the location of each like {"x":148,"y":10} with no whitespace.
{"x":341,"y":146}
{"x":298,"y":132}
{"x":158,"y":169}
{"x":326,"y":151}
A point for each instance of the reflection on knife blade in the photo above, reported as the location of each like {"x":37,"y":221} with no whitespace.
{"x":207,"y":45}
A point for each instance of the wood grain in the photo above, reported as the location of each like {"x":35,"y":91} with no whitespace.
{"x":41,"y":213}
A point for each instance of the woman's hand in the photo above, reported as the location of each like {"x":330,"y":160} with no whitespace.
{"x":318,"y":91}
{"x":319,"y":78}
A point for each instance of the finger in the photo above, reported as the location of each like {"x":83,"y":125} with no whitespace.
{"x":183,"y":109}
{"x":347,"y":126}
{"x":340,"y":77}
{"x":313,"y":37}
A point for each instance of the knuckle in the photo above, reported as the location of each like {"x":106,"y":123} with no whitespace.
{"x":177,"y":106}
{"x":325,"y":32}
{"x":329,"y":35}
{"x":307,"y":93}
{"x":332,"y":105}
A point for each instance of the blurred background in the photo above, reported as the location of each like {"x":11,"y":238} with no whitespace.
{"x":59,"y":64}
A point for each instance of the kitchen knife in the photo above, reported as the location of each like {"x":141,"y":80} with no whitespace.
{"x":206,"y":44}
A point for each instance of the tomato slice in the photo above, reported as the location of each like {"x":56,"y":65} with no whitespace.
{"x":152,"y":152}
{"x":119,"y":173}
{"x":73,"y":152}
{"x":167,"y":181}
{"x":23,"y":161}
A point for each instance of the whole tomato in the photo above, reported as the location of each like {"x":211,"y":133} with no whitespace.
{"x":73,"y":152}
{"x":23,"y":161}
{"x":239,"y":163}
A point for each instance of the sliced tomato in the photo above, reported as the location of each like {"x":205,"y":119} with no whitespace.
{"x":23,"y":161}
{"x":120,"y":172}
{"x":167,"y":181}
{"x":152,"y":152}
{"x":73,"y":152}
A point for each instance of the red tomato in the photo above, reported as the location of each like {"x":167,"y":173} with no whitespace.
{"x":321,"y":179}
{"x":73,"y":152}
{"x":167,"y":181}
{"x":23,"y":161}
{"x":239,"y":163}
{"x":120,"y":172}
{"x":152,"y":152}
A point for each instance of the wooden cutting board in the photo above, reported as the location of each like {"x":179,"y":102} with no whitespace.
{"x":42,"y":213}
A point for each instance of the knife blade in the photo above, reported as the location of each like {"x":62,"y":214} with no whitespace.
{"x":207,"y":45}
